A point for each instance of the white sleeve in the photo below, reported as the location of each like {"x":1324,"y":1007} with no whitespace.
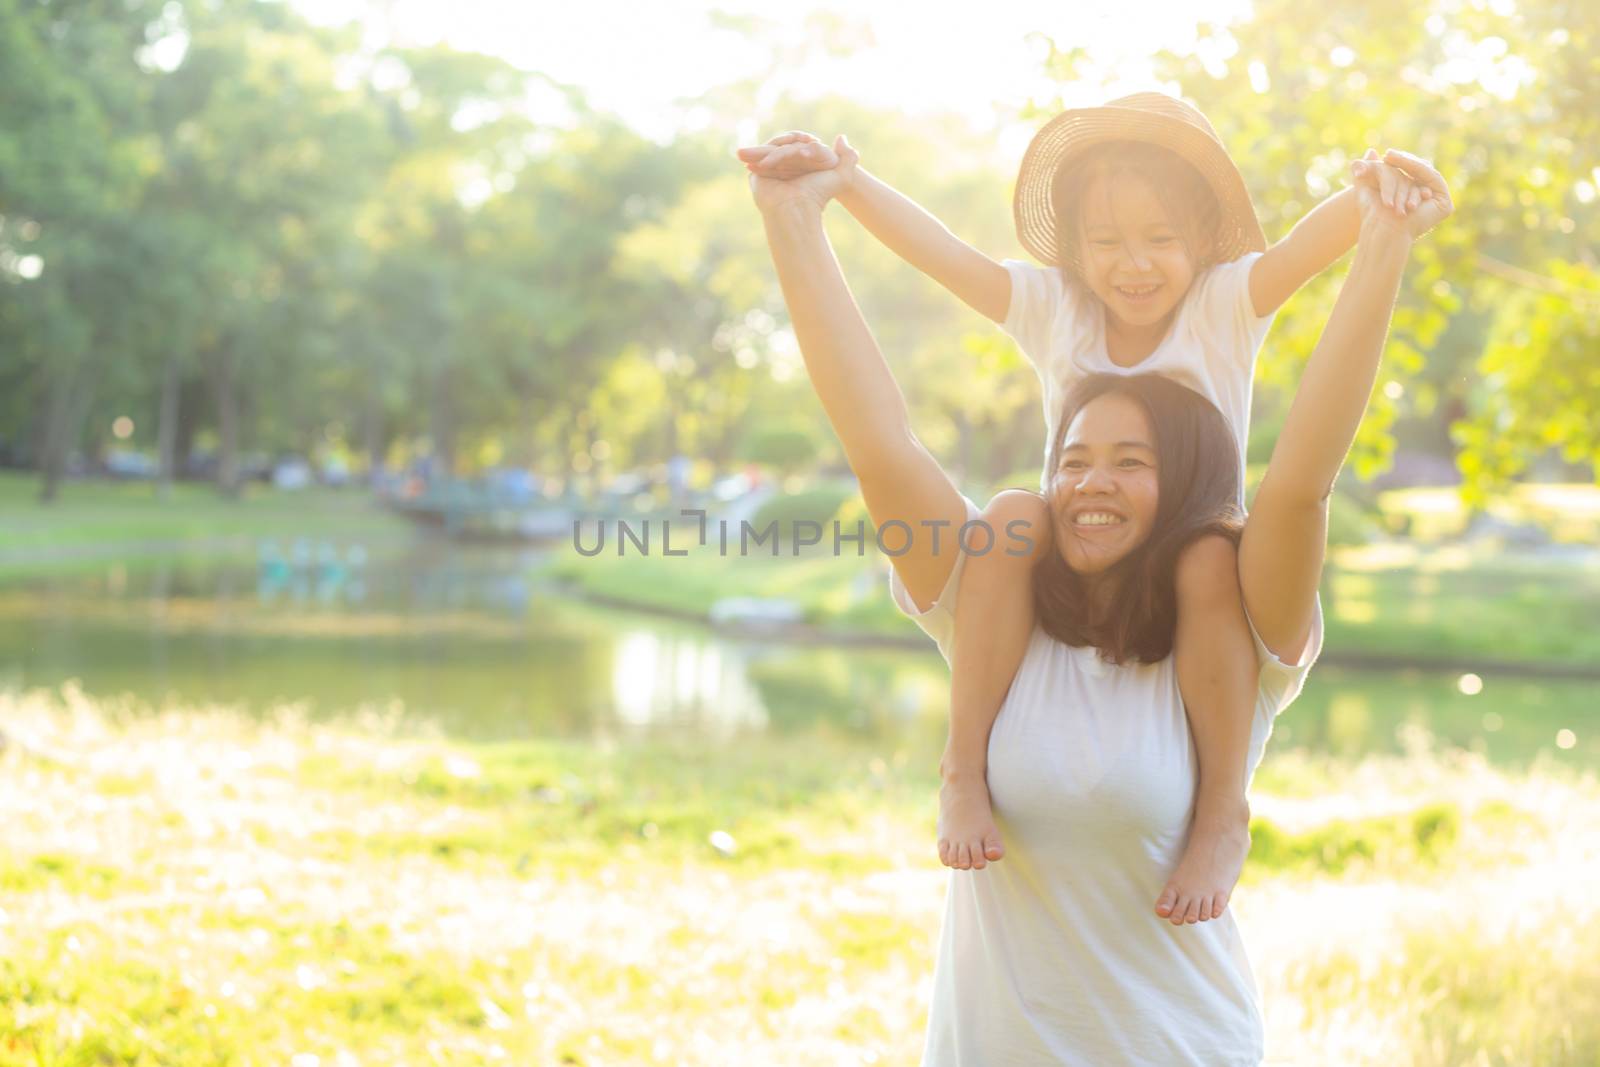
{"x":938,"y":621}
{"x":1277,"y":685}
{"x":1037,"y":296}
{"x":1223,"y":303}
{"x":1279,"y":682}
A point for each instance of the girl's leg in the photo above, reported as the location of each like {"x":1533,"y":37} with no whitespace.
{"x":994,"y":621}
{"x":1217,"y":673}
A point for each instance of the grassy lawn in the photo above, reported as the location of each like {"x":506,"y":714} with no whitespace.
{"x":1568,"y":512}
{"x":843,"y":593}
{"x":1462,"y":604}
{"x":1424,"y":604}
{"x":99,"y":520}
{"x":198,"y":888}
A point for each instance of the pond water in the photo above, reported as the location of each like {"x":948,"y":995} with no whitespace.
{"x":463,"y":638}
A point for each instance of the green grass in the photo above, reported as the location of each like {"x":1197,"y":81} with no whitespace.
{"x":1444,"y":605}
{"x":96,"y":521}
{"x":78,"y":876}
{"x":1391,"y":842}
{"x":1494,"y":997}
{"x":843,"y":593}
{"x":1462,"y":605}
{"x":297,"y":988}
{"x":1568,"y":512}
{"x":201,"y":888}
{"x":569,"y":806}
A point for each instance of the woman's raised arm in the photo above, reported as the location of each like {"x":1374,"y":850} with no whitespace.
{"x":1285,"y":537}
{"x":900,"y":481}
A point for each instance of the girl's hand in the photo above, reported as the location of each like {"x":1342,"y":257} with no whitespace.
{"x":1400,"y":190}
{"x":1435,"y":204}
{"x":788,"y":155}
{"x":812,"y":186}
{"x":792,"y":154}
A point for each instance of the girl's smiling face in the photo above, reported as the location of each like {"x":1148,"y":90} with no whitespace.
{"x":1133,"y":256}
{"x":1104,"y":489}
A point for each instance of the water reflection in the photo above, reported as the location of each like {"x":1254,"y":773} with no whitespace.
{"x":460,"y":637}
{"x":674,"y":680}
{"x":321,"y":572}
{"x":465,"y":639}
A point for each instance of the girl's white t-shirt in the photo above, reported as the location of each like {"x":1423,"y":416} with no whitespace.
{"x":1210,"y":347}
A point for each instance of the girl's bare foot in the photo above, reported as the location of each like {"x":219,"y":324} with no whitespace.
{"x":968,"y":837}
{"x":1199,"y":889}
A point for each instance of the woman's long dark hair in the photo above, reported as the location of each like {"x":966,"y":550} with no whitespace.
{"x":1197,"y":478}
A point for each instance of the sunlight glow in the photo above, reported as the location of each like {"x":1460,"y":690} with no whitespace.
{"x":648,"y":63}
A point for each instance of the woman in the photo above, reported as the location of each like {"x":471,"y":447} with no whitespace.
{"x":1054,"y":956}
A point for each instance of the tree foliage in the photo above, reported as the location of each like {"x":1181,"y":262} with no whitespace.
{"x":1495,"y":338}
{"x":256,"y":235}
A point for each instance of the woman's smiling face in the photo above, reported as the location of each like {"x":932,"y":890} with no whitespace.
{"x":1133,"y":256}
{"x":1104,"y":490}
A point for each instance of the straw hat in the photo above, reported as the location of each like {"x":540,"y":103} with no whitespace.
{"x":1153,"y":118}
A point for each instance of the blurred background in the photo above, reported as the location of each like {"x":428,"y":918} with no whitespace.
{"x":322,"y":326}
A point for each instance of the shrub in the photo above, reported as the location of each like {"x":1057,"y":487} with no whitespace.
{"x":819,"y":504}
{"x":785,"y":447}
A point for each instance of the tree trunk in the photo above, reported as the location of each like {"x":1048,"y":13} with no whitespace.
{"x":372,"y":429}
{"x":167,"y":428}
{"x":192,"y":409}
{"x":441,"y":424}
{"x":224,"y":390}
{"x":53,"y":456}
{"x":65,"y":408}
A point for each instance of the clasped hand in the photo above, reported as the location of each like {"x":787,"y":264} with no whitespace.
{"x":797,"y":167}
{"x":1400,"y":190}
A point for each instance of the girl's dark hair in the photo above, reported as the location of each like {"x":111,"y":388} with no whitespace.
{"x":1197,"y":479}
{"x":1185,"y":196}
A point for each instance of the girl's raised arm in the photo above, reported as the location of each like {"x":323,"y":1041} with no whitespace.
{"x":1285,"y":537}
{"x":904,"y":227}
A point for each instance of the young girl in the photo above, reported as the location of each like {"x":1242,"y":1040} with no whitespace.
{"x":1157,"y":264}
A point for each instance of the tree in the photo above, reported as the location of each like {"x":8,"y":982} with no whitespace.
{"x":1500,"y":98}
{"x":264,"y":160}
{"x":71,"y":165}
{"x":783,"y":446}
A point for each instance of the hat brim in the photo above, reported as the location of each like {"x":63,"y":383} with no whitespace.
{"x":1071,"y":133}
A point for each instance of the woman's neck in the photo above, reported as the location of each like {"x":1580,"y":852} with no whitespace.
{"x":1128,"y":344}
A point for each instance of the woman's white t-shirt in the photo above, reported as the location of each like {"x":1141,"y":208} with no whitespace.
{"x":1210,"y":347}
{"x":1054,"y":955}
